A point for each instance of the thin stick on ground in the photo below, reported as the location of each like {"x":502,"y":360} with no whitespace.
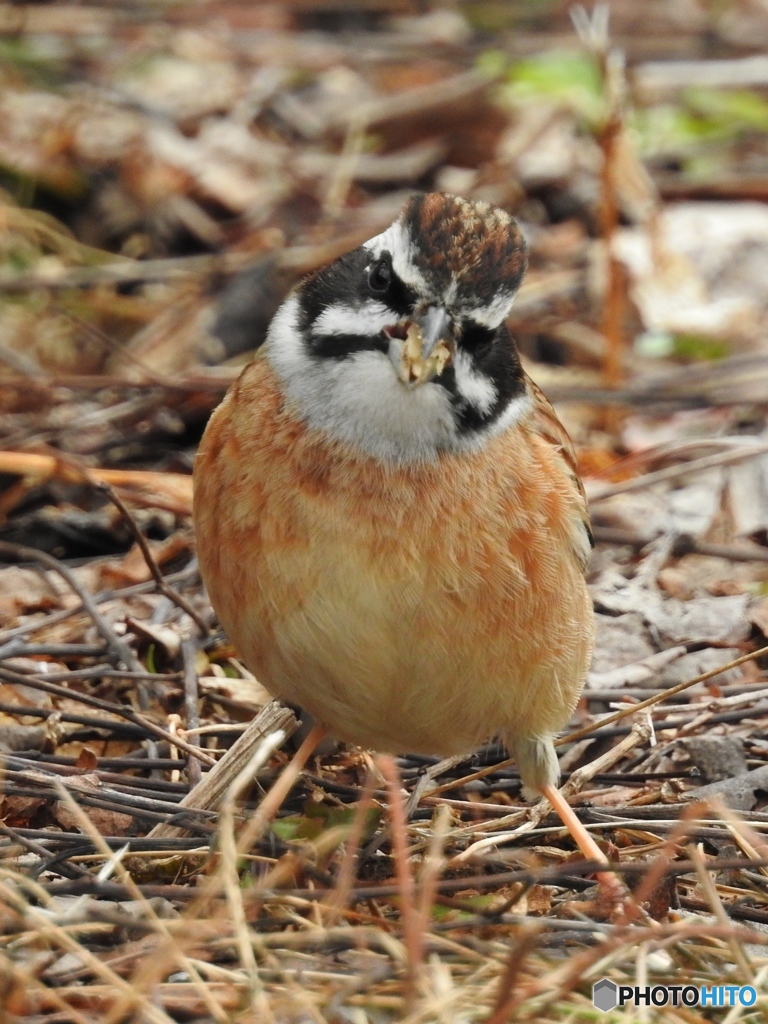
{"x":35,"y":683}
{"x":595,"y":727}
{"x":59,"y":937}
{"x":171,"y":953}
{"x":209,"y":793}
{"x":191,"y":696}
{"x":229,"y":877}
{"x":119,"y":650}
{"x":747,"y":449}
{"x":161,"y":583}
{"x":657,"y":698}
{"x":716,"y":904}
{"x":434,"y":863}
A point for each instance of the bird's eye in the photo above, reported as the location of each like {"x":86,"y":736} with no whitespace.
{"x":380,"y":276}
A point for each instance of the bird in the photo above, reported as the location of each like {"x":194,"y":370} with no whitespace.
{"x":391,"y":525}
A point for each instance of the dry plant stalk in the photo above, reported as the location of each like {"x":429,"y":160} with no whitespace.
{"x":593,"y":32}
{"x":208,"y":794}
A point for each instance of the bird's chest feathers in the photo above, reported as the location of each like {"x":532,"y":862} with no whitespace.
{"x":304,"y":491}
{"x":332,"y":535}
{"x":333,"y":572}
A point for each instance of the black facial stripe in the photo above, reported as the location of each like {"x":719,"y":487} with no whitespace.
{"x":340,"y":282}
{"x":339,"y":346}
{"x":476,"y":338}
{"x":345,"y":283}
{"x":496,"y":359}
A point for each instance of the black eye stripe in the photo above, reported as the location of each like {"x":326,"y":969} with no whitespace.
{"x":340,"y":346}
{"x":474,"y":337}
{"x":345,"y":282}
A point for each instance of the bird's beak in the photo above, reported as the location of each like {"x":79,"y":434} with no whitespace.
{"x":435,"y":326}
{"x":424,"y":348}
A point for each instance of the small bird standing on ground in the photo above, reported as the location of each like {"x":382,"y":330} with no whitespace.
{"x":390,"y":522}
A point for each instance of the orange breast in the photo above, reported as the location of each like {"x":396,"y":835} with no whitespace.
{"x":419,"y":607}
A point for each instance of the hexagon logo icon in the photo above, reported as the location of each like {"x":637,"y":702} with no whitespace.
{"x":604,"y":995}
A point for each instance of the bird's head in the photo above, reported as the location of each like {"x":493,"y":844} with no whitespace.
{"x":399,"y":347}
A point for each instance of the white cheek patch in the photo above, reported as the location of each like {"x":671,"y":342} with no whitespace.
{"x":494,"y":313}
{"x":475,"y":387}
{"x":284,"y":341}
{"x":516,"y":410}
{"x":341,"y":318}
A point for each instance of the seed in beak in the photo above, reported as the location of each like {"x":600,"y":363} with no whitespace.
{"x":420,"y":359}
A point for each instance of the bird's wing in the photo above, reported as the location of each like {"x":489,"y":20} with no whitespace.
{"x":544,"y":421}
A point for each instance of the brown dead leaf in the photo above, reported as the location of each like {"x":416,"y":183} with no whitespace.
{"x":107,"y":748}
{"x":244,"y":689}
{"x":720,"y":577}
{"x":662,"y":898}
{"x":621,"y":640}
{"x":539,"y":898}
{"x":133,"y":567}
{"x":32,"y":140}
{"x":714,"y":619}
{"x":739,"y":793}
{"x":26,"y":590}
{"x":18,"y":693}
{"x":179,"y":88}
{"x":87,"y":760}
{"x":14,"y":736}
{"x":747,"y":492}
{"x":164,"y":639}
{"x":693,"y":270}
{"x":18,"y":811}
{"x":108,"y":823}
{"x":512,"y":898}
{"x":695,"y":663}
{"x":715,"y":757}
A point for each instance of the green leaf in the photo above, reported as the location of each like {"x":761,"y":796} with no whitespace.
{"x":151,"y":664}
{"x":686,"y":347}
{"x":694,"y":347}
{"x":569,"y":78}
{"x":318,"y":818}
{"x":736,"y":110}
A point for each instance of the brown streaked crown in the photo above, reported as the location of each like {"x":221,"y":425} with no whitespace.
{"x":471,"y":244}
